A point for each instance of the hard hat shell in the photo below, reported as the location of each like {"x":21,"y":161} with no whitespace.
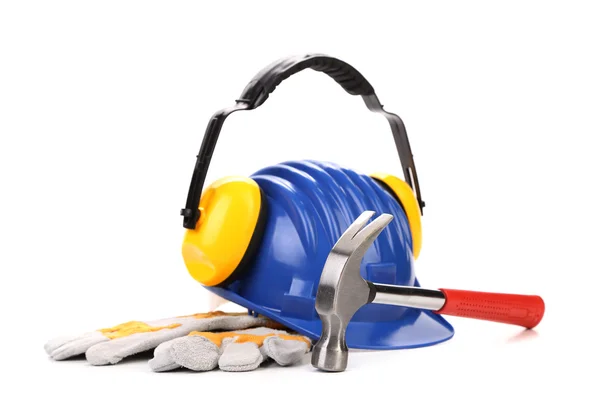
{"x":309,"y":205}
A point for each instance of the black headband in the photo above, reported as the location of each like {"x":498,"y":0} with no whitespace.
{"x":258,"y":90}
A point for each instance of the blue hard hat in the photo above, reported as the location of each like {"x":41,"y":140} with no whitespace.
{"x":262,"y":242}
{"x":308,"y":206}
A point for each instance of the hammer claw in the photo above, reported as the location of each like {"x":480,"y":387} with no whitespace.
{"x":361,"y":235}
{"x":368,"y":234}
{"x":359,"y":223}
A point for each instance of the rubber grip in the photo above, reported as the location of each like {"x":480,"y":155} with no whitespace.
{"x":265,"y":82}
{"x":515,"y":309}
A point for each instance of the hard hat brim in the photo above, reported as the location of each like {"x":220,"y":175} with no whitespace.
{"x":417,"y":328}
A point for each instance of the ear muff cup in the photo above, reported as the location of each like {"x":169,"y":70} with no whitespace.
{"x":406,"y":197}
{"x":230,"y":228}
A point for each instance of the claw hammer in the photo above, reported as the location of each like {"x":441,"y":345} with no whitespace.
{"x":342,"y":291}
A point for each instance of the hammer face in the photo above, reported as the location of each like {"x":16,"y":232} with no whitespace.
{"x":342,"y":290}
{"x":331,"y":353}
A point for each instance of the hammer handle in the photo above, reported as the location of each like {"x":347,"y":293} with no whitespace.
{"x":515,"y":309}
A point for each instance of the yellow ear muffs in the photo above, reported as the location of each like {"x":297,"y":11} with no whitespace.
{"x":405,"y":195}
{"x":227,"y":233}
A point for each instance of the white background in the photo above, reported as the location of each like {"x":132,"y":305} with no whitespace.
{"x":102,"y":110}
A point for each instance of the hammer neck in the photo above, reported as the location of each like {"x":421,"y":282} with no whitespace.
{"x":407,"y":296}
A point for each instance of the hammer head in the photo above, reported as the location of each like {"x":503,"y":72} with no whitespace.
{"x":342,"y":290}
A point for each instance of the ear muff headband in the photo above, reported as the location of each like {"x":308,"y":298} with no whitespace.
{"x":257,"y":92}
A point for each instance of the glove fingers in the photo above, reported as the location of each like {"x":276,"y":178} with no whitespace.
{"x":113,"y":351}
{"x":285,"y":351}
{"x":63,"y":348}
{"x":56,"y":342}
{"x":238,"y":357}
{"x":192,"y":352}
{"x":162,"y":360}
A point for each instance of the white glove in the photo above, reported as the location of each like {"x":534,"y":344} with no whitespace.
{"x":111,"y":345}
{"x":236,"y":351}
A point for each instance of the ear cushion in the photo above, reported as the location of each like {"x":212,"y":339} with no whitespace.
{"x":406,"y":197}
{"x":228,"y":232}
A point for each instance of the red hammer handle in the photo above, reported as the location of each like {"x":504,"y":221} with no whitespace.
{"x":516,"y":309}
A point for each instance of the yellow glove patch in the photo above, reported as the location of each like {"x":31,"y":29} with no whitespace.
{"x":214,"y":314}
{"x":131,"y":327}
{"x":217,"y":337}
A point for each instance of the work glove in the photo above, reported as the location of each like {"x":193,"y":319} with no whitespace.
{"x":111,"y":345}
